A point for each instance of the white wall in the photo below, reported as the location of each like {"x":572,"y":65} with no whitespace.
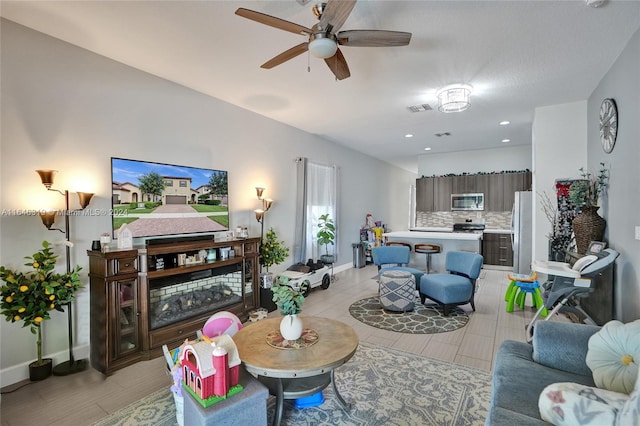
{"x":67,"y":109}
{"x":486,"y":160}
{"x":621,"y":203}
{"x":559,"y":150}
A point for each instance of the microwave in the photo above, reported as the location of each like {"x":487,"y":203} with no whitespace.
{"x":467,"y":201}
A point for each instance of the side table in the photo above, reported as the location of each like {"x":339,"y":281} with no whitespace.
{"x":296,"y":373}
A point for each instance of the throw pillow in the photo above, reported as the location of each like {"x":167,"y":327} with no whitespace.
{"x":630,"y":414}
{"x":572,"y":404}
{"x":613,"y":356}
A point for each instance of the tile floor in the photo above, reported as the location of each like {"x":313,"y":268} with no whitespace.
{"x":86,"y":397}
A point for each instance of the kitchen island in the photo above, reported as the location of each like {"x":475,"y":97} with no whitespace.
{"x":458,"y":241}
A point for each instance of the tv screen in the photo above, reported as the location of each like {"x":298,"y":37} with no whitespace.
{"x":156,"y":199}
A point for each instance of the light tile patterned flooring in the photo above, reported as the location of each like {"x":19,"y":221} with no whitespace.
{"x":86,"y":397}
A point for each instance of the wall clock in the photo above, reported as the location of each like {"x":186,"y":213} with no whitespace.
{"x":608,"y":124}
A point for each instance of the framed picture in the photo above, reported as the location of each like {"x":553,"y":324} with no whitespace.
{"x":596,"y":247}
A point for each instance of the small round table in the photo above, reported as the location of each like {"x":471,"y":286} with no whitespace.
{"x":296,"y":373}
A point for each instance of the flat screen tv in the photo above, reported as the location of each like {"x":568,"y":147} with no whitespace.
{"x":156,"y":199}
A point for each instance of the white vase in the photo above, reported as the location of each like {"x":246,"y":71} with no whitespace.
{"x":291,"y":327}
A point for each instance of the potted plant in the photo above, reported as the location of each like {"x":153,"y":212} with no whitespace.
{"x":289,"y":301}
{"x":29,"y":296}
{"x":584,"y":194}
{"x":272,"y":252}
{"x":326,"y":236}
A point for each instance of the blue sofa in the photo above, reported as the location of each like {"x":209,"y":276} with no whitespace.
{"x":522,"y":370}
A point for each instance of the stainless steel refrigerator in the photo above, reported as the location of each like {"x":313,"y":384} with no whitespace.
{"x":521,"y":231}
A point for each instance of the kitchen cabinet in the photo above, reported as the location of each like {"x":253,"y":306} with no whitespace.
{"x":442,"y":189}
{"x":433,"y":194}
{"x":496,"y":249}
{"x":424,"y":194}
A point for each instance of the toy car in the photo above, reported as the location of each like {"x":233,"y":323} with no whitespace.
{"x":314,"y":275}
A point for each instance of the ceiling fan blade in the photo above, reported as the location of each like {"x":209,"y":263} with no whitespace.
{"x":272,"y":21}
{"x":373,"y":38}
{"x":335,"y":14}
{"x":338,"y":65}
{"x":286,"y":55}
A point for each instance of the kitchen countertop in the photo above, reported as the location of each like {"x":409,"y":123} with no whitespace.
{"x":444,"y":229}
{"x":431,"y":235}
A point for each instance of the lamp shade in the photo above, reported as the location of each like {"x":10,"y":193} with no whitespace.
{"x":85,"y":198}
{"x":46,"y":176}
{"x":259,"y":214}
{"x":322,"y":47}
{"x":454,"y":98}
{"x":48,"y":218}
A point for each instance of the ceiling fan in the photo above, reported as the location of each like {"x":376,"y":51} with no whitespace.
{"x":324,"y":38}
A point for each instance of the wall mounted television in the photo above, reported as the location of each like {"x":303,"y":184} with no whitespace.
{"x":157,"y":199}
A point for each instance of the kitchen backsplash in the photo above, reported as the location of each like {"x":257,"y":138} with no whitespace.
{"x":492,"y":220}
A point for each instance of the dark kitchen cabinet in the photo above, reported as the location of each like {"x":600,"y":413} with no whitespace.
{"x":494,"y":197}
{"x":424,"y":194}
{"x":433,"y":194}
{"x":442,"y":189}
{"x":497,"y":250}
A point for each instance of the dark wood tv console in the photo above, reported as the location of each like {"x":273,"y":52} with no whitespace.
{"x":149,"y":296}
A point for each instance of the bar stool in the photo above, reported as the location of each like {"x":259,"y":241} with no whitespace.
{"x":398,"y":243}
{"x":428,"y":249}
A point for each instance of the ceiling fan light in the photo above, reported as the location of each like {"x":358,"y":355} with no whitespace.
{"x":454,"y":98}
{"x":323,"y":47}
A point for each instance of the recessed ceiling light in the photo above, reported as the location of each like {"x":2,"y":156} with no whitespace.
{"x":505,"y":122}
{"x":427,"y":149}
{"x":506,"y":140}
{"x":408,"y":135}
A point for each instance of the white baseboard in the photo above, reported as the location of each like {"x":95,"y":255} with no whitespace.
{"x":19,"y":372}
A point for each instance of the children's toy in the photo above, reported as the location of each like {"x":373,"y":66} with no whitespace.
{"x":221,"y":323}
{"x":314,"y":274}
{"x":211,"y":369}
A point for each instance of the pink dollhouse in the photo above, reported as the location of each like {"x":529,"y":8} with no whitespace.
{"x":211,"y":368}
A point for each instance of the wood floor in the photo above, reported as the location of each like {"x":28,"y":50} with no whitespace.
{"x":86,"y":397}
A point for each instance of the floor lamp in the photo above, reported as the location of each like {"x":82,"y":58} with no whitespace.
{"x":266,"y":205}
{"x":48,"y":218}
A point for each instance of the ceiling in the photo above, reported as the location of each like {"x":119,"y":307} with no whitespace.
{"x":518,"y":55}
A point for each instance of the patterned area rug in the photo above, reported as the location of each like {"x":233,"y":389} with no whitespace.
{"x":422,"y":320}
{"x":383,"y":387}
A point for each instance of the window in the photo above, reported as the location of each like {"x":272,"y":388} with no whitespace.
{"x":183,"y":184}
{"x":317,"y":195}
{"x":168,"y":182}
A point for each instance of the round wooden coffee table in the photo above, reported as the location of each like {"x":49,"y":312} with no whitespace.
{"x":296,"y":373}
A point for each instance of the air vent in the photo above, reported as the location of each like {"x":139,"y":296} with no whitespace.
{"x":442,"y":134}
{"x":419,"y":108}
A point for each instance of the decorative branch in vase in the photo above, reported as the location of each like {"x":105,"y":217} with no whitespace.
{"x":588,"y":225}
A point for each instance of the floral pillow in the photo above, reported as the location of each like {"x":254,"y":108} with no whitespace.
{"x":614,"y":356}
{"x":571,"y":404}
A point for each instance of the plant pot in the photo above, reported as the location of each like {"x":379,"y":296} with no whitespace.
{"x":327,"y":259}
{"x":291,"y":327}
{"x":588,"y":226}
{"x":40,"y":371}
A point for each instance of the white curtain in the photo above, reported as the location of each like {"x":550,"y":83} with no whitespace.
{"x":316,"y":195}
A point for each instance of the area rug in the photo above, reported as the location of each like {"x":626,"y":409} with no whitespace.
{"x":423,"y":319}
{"x":383,"y":386}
